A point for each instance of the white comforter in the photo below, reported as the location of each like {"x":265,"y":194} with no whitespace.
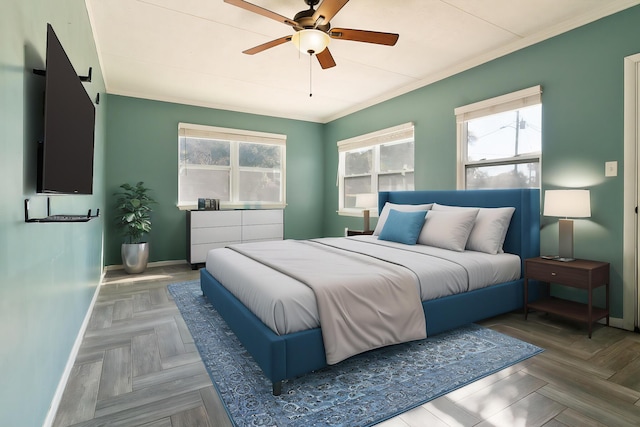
{"x":286,"y":305}
{"x":358,"y":312}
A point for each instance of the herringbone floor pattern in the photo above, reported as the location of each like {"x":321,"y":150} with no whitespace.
{"x":138,"y":366}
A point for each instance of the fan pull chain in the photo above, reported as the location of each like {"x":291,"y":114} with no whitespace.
{"x":310,"y":68}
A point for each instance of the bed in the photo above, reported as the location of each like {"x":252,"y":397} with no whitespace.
{"x":286,"y":355}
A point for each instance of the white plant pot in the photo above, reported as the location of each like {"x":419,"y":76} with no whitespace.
{"x":135,"y":257}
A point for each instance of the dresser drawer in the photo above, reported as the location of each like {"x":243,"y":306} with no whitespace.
{"x":557,"y":273}
{"x":216,"y":235}
{"x":252,"y":233}
{"x":206,"y":219}
{"x":261,"y":217}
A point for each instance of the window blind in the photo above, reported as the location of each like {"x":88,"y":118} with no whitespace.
{"x":500,"y":104}
{"x":394,"y":134}
{"x":208,"y":132}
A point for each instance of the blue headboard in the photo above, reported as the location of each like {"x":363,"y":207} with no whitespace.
{"x":523,"y":237}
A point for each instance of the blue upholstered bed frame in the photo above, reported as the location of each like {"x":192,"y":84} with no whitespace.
{"x":287,"y":356}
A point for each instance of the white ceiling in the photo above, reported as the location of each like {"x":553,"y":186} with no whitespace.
{"x":190,"y":51}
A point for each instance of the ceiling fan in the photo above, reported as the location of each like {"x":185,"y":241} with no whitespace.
{"x":313,"y":30}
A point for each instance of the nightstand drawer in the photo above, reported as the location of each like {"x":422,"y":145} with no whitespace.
{"x":557,"y":273}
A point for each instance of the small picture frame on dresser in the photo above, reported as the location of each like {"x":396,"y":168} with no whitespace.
{"x":208,"y":204}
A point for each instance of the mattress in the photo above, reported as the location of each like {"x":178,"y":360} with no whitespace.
{"x":286,"y":305}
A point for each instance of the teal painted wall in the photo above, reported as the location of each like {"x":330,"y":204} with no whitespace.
{"x":143,"y":146}
{"x":48,"y":272}
{"x":581,"y":73}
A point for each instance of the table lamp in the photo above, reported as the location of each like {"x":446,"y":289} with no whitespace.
{"x":366,"y":201}
{"x":567,"y":204}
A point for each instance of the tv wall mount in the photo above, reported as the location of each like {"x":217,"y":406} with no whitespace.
{"x":86,"y":78}
{"x":58,"y":218}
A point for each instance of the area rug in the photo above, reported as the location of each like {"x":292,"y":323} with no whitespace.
{"x":361,"y":391}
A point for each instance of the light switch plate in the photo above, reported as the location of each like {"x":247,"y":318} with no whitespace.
{"x":611,"y":168}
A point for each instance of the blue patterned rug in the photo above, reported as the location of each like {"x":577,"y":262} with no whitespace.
{"x":361,"y":391}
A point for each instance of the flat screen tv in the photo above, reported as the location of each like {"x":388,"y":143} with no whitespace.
{"x":65,"y":155}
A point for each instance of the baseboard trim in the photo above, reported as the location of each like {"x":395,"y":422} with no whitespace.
{"x":151,"y":264}
{"x":616,"y":322}
{"x":57,"y":397}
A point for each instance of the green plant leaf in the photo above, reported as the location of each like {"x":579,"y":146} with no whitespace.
{"x":133,"y":209}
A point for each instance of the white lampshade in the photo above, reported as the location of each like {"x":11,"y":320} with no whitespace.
{"x":567,"y":203}
{"x":310,"y":41}
{"x":366,"y":200}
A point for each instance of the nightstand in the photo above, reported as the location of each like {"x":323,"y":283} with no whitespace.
{"x":359,"y":233}
{"x":581,"y":274}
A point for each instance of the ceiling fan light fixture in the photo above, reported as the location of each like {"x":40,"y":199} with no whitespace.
{"x":310,"y":41}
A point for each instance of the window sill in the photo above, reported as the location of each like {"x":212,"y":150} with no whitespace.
{"x":226,"y":207}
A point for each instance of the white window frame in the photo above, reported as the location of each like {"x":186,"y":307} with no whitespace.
{"x":500,"y":104}
{"x":235,"y":136}
{"x":401,"y":133}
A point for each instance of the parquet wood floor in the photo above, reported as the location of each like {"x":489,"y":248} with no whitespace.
{"x":138,"y":366}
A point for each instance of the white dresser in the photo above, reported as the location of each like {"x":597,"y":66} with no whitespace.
{"x":216,"y":229}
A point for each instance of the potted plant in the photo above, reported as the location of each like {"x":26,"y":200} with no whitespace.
{"x":133,"y":207}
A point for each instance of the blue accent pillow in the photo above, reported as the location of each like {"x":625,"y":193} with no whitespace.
{"x":403,"y":227}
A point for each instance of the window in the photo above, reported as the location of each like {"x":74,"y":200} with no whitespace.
{"x":378,"y":161}
{"x":500,"y":141}
{"x":241,"y":168}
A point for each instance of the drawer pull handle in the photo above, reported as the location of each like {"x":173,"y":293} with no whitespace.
{"x":553,"y":273}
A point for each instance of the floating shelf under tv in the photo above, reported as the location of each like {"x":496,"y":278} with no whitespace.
{"x":58,"y":218}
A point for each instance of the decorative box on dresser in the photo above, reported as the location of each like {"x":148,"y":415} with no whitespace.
{"x":581,"y":274}
{"x":208,"y":230}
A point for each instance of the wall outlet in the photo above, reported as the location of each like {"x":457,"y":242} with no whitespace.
{"x":611,"y":168}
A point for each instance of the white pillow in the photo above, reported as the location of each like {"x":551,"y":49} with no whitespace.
{"x":447,"y":229}
{"x":490,"y":227}
{"x":402,"y":208}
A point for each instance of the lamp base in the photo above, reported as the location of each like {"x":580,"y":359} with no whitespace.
{"x":365,"y":215}
{"x":565,"y":239}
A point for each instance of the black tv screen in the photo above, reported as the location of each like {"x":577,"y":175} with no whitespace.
{"x":65,"y":157}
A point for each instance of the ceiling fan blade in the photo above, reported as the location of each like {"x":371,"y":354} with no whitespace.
{"x":327,"y":10}
{"x":388,"y":39}
{"x":267,"y":45}
{"x":326,"y":59}
{"x":262,"y":11}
